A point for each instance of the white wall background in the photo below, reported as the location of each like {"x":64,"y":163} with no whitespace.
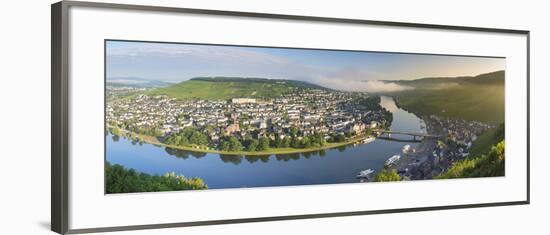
{"x":25,"y":117}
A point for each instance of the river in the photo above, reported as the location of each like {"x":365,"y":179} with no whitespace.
{"x":338,"y":165}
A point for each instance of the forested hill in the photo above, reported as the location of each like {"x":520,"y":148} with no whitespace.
{"x":493,"y":78}
{"x":232,"y":87}
{"x":478,"y":97}
{"x":260,"y":80}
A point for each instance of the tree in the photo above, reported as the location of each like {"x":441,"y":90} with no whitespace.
{"x":264,"y":144}
{"x":115,"y":131}
{"x":170,"y":140}
{"x":198,"y":138}
{"x":183,"y":141}
{"x":225,"y":145}
{"x":235,"y":144}
{"x":306,"y":142}
{"x":387,"y":175}
{"x":295,"y":143}
{"x":286,"y":142}
{"x":293,"y":131}
{"x":278,"y":142}
{"x":231,"y":144}
{"x":252,"y":145}
{"x":122,"y":180}
{"x":318,"y":140}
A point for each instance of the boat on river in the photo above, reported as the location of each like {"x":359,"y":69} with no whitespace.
{"x":365,"y":173}
{"x":369,"y":139}
{"x":392,"y":160}
{"x":407,"y":148}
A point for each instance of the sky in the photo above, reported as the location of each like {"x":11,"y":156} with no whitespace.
{"x":343,"y":70}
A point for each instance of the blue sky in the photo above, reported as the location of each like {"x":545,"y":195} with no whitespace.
{"x":357,"y":71}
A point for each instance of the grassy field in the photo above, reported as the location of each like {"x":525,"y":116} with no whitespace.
{"x":468,"y":101}
{"x":213,"y":90}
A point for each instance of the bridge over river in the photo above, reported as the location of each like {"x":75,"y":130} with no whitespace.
{"x":414,"y":135}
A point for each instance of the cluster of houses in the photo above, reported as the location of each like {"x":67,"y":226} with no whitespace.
{"x":456,"y":138}
{"x":458,"y":132}
{"x":307,"y":112}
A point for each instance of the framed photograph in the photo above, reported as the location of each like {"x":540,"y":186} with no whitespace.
{"x":167,"y":117}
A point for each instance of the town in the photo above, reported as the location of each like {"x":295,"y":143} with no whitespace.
{"x":306,"y":119}
{"x":436,"y":155}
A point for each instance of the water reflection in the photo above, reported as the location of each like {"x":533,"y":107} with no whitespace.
{"x":261,"y":158}
{"x":238,"y":159}
{"x":233,"y":159}
{"x":184,"y":154}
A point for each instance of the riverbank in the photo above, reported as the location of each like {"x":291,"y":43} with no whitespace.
{"x":418,"y":165}
{"x":271,"y":151}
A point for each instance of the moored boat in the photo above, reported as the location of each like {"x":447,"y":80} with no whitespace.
{"x":407,"y":148}
{"x":365,"y":173}
{"x":392,"y":160}
{"x":369,"y":139}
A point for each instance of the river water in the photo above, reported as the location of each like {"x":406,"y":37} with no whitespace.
{"x":339,"y":165}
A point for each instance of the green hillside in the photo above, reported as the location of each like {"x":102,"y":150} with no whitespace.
{"x":486,"y":157}
{"x":478,"y":98}
{"x":123,"y":180}
{"x":489,"y":138}
{"x":214,"y":88}
{"x":485,"y":165}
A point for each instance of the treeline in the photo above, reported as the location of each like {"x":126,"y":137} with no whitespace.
{"x":485,"y":165}
{"x":123,"y":180}
{"x":128,"y":125}
{"x":187,"y":137}
{"x":193,"y":137}
{"x":232,"y":143}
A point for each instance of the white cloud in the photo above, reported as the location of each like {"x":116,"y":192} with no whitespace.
{"x":379,"y":86}
{"x":358,"y":80}
{"x":187,"y":51}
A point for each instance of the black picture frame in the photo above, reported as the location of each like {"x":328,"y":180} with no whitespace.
{"x":59,"y":112}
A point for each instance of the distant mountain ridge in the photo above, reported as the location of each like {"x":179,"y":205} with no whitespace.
{"x":260,"y":80}
{"x":233,"y":87}
{"x":492,"y":78}
{"x":136,"y":82}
